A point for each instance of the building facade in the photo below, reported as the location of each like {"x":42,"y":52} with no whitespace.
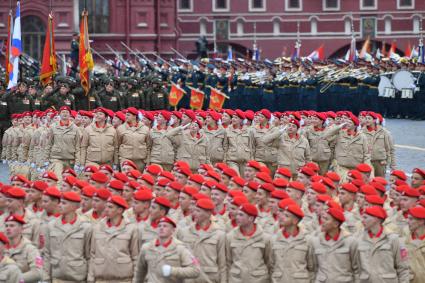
{"x":275,"y":25}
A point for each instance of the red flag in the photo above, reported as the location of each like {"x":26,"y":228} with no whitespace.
{"x":392,"y":49}
{"x":408,"y":51}
{"x":49,"y":66}
{"x":176,"y":94}
{"x":86,"y":59}
{"x":196,"y":98}
{"x":9,"y":67}
{"x":217,"y":99}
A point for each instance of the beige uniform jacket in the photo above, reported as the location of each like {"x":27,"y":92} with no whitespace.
{"x":351,"y":150}
{"x":133,"y":141}
{"x":31,"y":229}
{"x":397,"y":224}
{"x":381,"y":146}
{"x":5,"y":144}
{"x":210,"y":250}
{"x":335,"y":261}
{"x":152,"y":258}
{"x":28,"y":259}
{"x":67,"y":250}
{"x":147,"y":232}
{"x":9,"y":271}
{"x":99,"y":145}
{"x":24,"y":145}
{"x":238,"y":145}
{"x":64,"y":142}
{"x":353,"y":221}
{"x":193,"y":150}
{"x":263,"y":152}
{"x":416,"y":256}
{"x":35,"y":145}
{"x":216,"y":144}
{"x":320,"y":143}
{"x":382,"y":259}
{"x":113,"y":252}
{"x":15,"y":140}
{"x":292,"y":153}
{"x":162,"y":150}
{"x":291,"y":259}
{"x":248,"y":259}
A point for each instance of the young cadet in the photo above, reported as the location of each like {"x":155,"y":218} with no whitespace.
{"x":415,"y":244}
{"x":9,"y":270}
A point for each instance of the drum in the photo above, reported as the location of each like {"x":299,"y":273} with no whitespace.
{"x":403,"y":79}
{"x":384,"y":82}
{"x":407,"y":93}
{"x":389,"y":92}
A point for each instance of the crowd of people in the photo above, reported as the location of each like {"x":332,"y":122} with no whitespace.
{"x":207,"y":196}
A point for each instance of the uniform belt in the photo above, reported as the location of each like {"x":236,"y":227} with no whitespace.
{"x":292,"y":85}
{"x":268,"y":90}
{"x":353,"y":87}
{"x":362,"y":84}
{"x":310,"y":86}
{"x":372,"y":86}
{"x":344,"y":84}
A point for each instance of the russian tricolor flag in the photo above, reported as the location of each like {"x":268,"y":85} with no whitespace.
{"x":16,"y":49}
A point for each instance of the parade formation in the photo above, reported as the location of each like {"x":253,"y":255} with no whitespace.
{"x":209,"y":170}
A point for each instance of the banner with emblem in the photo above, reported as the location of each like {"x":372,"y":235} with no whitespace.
{"x":176,"y":94}
{"x":196,"y":98}
{"x":217,"y":99}
{"x":49,"y":66}
{"x":86,"y":58}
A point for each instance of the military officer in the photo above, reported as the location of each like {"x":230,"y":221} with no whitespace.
{"x":19,"y":101}
{"x":67,"y":250}
{"x":109,"y":97}
{"x":9,"y":270}
{"x":133,"y":96}
{"x":63,"y":97}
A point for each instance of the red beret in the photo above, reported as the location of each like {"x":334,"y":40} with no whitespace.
{"x":295,"y":210}
{"x":15,"y":218}
{"x":168,"y":175}
{"x":284,"y":171}
{"x":368,"y":190}
{"x":70,"y":180}
{"x":143,"y":195}
{"x":50,"y":175}
{"x":184,"y":170}
{"x":378,"y":186}
{"x":297,"y":186}
{"x":364,"y":168}
{"x":252,"y":185}
{"x":162,"y":182}
{"x":280,"y":183}
{"x":399,"y":174}
{"x":294,"y":122}
{"x":134,"y":174}
{"x":230,"y":172}
{"x":323,"y":198}
{"x":380,"y":180}
{"x":333,"y":176}
{"x":279,"y":194}
{"x":355,"y":174}
{"x":249,"y":209}
{"x":190,"y":114}
{"x":116,"y":185}
{"x":328,"y":182}
{"x":65,"y":108}
{"x":267,"y":187}
{"x":26,"y":113}
{"x":178,"y":114}
{"x":120,"y":176}
{"x":336,"y":213}
{"x":4,"y":239}
{"x":103,"y":110}
{"x":264,"y":177}
{"x":102,"y":193}
{"x":374,"y":199}
{"x":410,"y":192}
{"x":220,"y":187}
{"x":254,"y":164}
{"x":240,"y":114}
{"x":148,"y":179}
{"x":71,"y":196}
{"x":249,"y":115}
{"x":318,"y":187}
{"x":90,"y":169}
{"x":229,"y":112}
{"x":419,"y":171}
{"x":214,"y":115}
{"x":52,"y":192}
{"x":80,"y":184}
{"x":353,"y":118}
{"x":206,"y":167}
{"x":313,"y":166}
{"x":166,"y":114}
{"x":39,"y":185}
{"x":190,"y":191}
{"x":106,"y":167}
{"x":129,"y":163}
{"x":154,"y":169}
{"x":88,"y":191}
{"x":239,"y":200}
{"x":168,"y":220}
{"x":16,"y":192}
{"x":213,"y":174}
{"x":238,"y":181}
{"x":283,"y":204}
{"x":417,"y":212}
{"x":99,"y":177}
{"x":197,"y":178}
{"x":163,"y":201}
{"x":175,"y":186}
{"x":86,"y":113}
{"x":349,"y":188}
{"x":205,"y":204}
{"x":132,"y":110}
{"x":118,"y":200}
{"x":266,"y":113}
{"x":133,"y":185}
{"x":376,"y":211}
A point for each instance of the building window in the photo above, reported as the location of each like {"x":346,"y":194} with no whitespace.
{"x":347,"y":26}
{"x":203,"y":27}
{"x":98,"y":15}
{"x":293,"y":5}
{"x":416,"y":25}
{"x":405,"y":4}
{"x":221,"y":6}
{"x":313,"y":26}
{"x":368,"y":5}
{"x":331,"y":5}
{"x":239,"y":27}
{"x":186,"y":5}
{"x":388,"y":25}
{"x":257,"y":5}
{"x":276,"y":27}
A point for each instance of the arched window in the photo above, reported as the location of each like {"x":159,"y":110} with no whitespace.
{"x":98,"y":15}
{"x":33,"y":35}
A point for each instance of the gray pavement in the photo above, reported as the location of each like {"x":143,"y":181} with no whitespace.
{"x":409,"y":137}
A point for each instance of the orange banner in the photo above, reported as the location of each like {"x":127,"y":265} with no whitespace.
{"x":196,"y":98}
{"x":86,"y":58}
{"x":217,"y":99}
{"x":48,"y":65}
{"x":176,"y":94}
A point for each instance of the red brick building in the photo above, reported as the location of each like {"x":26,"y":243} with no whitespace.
{"x":158,"y":25}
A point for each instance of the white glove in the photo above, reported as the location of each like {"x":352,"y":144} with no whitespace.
{"x":171,"y":122}
{"x":282,"y":129}
{"x":166,"y":270}
{"x":185,"y":126}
